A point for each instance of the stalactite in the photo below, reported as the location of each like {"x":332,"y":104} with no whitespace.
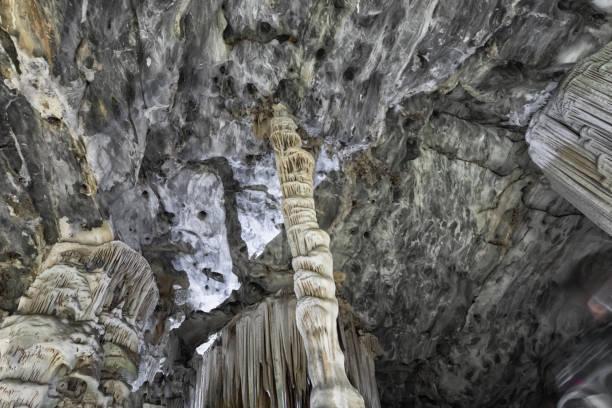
{"x":571,"y":140}
{"x":259,"y":360}
{"x":60,"y":290}
{"x":75,"y":338}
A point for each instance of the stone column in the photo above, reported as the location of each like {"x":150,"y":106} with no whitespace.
{"x":571,"y":139}
{"x":75,"y":338}
{"x":258,"y":360}
{"x":317,"y":307}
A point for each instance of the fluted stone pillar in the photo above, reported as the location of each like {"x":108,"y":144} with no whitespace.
{"x":571,"y":139}
{"x":75,"y":338}
{"x":317,"y":307}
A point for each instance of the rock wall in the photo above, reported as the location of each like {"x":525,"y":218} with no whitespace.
{"x":75,"y":338}
{"x":571,"y":139}
{"x":259,"y":360}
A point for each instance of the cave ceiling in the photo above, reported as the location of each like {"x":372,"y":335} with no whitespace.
{"x":449,"y":243}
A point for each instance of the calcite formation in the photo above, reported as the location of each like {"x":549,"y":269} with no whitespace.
{"x":259,"y":360}
{"x":74,"y":341}
{"x":317,"y":307}
{"x":457,"y":253}
{"x":571,"y":140}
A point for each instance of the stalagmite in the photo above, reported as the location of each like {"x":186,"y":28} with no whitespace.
{"x":571,"y":140}
{"x":259,"y":360}
{"x":317,"y":307}
{"x":75,"y":338}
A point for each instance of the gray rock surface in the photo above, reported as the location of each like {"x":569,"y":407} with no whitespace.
{"x":457,"y":254}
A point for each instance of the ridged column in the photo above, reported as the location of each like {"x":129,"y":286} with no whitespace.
{"x":317,"y":307}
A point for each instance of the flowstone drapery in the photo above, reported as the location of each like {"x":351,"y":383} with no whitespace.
{"x":317,"y":307}
{"x":258,"y":360}
{"x":571,"y":140}
{"x":75,"y":338}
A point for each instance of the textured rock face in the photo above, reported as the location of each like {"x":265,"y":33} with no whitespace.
{"x":471,"y":271}
{"x":571,"y":142}
{"x":259,"y":360}
{"x":74,"y":340}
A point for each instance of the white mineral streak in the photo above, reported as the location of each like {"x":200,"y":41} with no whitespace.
{"x":149,"y":366}
{"x":258,"y":223}
{"x":75,"y":338}
{"x":258,"y":202}
{"x":199,"y":207}
{"x":37,"y":84}
{"x":317,"y":307}
{"x":577,"y":50}
{"x":84,"y":11}
{"x":604,"y":5}
{"x":533,"y":103}
{"x":571,"y":140}
{"x":327,"y":163}
{"x":203,"y":348}
{"x":151,"y":353}
{"x":259,"y":360}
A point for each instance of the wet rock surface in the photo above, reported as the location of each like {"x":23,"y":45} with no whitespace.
{"x":455,"y":252}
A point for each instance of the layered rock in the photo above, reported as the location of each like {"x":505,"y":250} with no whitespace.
{"x":259,"y":360}
{"x":317,"y":307}
{"x":571,"y":140}
{"x":74,"y":341}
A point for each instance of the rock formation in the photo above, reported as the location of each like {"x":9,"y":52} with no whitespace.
{"x":258,"y":360}
{"x":317,"y":307}
{"x":571,"y":140}
{"x":457,"y":253}
{"x":74,"y":341}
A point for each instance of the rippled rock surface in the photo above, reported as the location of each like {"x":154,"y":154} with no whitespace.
{"x":452,"y":246}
